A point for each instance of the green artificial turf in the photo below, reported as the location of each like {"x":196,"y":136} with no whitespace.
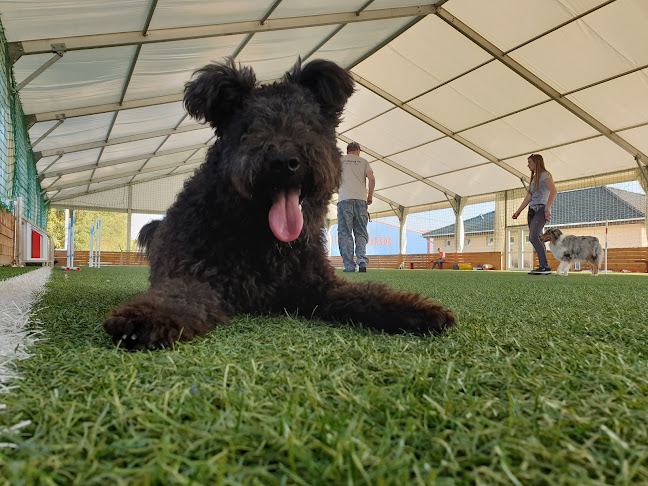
{"x":545,"y":381}
{"x":8,"y":272}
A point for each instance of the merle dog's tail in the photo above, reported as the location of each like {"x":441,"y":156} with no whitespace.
{"x":146,"y":235}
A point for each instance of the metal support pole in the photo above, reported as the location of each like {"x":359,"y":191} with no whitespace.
{"x":58,"y":124}
{"x":58,"y":50}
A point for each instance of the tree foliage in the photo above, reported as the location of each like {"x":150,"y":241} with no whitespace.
{"x":113,"y":229}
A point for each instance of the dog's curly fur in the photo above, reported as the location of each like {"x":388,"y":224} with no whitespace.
{"x":245,"y":234}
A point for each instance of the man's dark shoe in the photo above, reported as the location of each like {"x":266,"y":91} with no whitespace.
{"x":541,"y":271}
{"x":362,"y":268}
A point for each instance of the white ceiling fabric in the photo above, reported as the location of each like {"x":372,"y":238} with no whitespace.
{"x":450,"y":98}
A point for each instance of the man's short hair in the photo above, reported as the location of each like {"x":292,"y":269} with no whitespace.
{"x":353,"y":146}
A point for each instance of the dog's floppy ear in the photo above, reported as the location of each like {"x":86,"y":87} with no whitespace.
{"x":331,"y":85}
{"x":217,"y":92}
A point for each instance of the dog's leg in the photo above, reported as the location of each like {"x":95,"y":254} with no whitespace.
{"x":563,"y":268}
{"x":172,"y":310}
{"x":379,"y":307}
{"x":595,"y":267}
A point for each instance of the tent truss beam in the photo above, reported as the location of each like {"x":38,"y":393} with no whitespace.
{"x":132,"y":173}
{"x":124,"y":160}
{"x":527,"y":75}
{"x":116,"y":141}
{"x":33,"y":118}
{"x":398,"y":104}
{"x":40,"y":46}
{"x":55,"y":199}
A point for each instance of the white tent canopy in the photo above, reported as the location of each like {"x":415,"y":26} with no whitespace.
{"x":451,"y":96}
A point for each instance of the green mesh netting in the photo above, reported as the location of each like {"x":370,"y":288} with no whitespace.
{"x":18,"y":176}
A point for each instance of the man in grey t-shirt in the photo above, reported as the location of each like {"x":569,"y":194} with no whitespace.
{"x":352,"y":208}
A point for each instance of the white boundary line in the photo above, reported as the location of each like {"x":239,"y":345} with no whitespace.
{"x":17,"y":296}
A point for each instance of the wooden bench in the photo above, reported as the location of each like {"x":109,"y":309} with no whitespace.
{"x":645,"y":262}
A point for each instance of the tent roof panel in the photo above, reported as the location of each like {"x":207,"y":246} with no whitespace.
{"x":403,"y":79}
{"x":147,"y":119}
{"x":638,"y":137}
{"x":500,"y":139}
{"x":165,"y":190}
{"x":189,"y":13}
{"x":414,"y":69}
{"x":130,"y":149}
{"x":482,"y":179}
{"x":76,"y":177}
{"x":444,"y":155}
{"x":585,"y":57}
{"x":622,"y":25}
{"x":164,"y":68}
{"x":393,"y":132}
{"x":439,"y":72}
{"x":75,"y":159}
{"x":178,"y":159}
{"x":509,"y":23}
{"x":116,"y":170}
{"x":413,"y":194}
{"x":619,"y":103}
{"x":188,"y":138}
{"x":581,"y":159}
{"x":100,"y":185}
{"x":550,"y":124}
{"x":362,"y":106}
{"x":387,"y":176}
{"x":487,"y":92}
{"x":149,"y":175}
{"x":530,"y":130}
{"x":271,"y":54}
{"x":299,"y":8}
{"x":37,"y":19}
{"x":74,"y":131}
{"x":78,"y":79}
{"x":451,"y":108}
{"x":355,"y":40}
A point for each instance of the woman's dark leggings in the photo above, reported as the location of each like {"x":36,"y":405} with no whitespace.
{"x":536,"y":220}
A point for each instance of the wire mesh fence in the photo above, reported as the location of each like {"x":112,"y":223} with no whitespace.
{"x":18,"y":176}
{"x":611,"y":207}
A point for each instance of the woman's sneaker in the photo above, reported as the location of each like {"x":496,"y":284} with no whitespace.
{"x":541,"y":271}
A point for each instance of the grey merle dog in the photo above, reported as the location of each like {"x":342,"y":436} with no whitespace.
{"x":245,"y":234}
{"x":570,"y":249}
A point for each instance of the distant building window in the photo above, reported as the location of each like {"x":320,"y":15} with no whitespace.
{"x":490,"y":241}
{"x":526,"y":239}
{"x":512,"y":240}
{"x":468,"y":241}
{"x":447,"y":242}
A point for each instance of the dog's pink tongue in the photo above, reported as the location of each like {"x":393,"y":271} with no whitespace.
{"x":285,"y":216}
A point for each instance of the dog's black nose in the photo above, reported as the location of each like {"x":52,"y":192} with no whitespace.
{"x":293,"y":164}
{"x":286,"y":162}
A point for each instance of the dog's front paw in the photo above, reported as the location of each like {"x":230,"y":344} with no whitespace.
{"x":432,"y":319}
{"x":134,"y":330}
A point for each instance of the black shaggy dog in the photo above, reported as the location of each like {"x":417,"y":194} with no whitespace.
{"x":245,"y":235}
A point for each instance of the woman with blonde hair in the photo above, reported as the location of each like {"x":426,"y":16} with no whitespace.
{"x":540,"y":197}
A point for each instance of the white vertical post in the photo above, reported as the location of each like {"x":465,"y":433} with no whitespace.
{"x":402,"y":234}
{"x":606,"y":246}
{"x":71,"y":263}
{"x":91,"y":254}
{"x":67,"y":230}
{"x":99,"y":242}
{"x":129,"y":216}
{"x":458,"y":209}
{"x":67,"y":241}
